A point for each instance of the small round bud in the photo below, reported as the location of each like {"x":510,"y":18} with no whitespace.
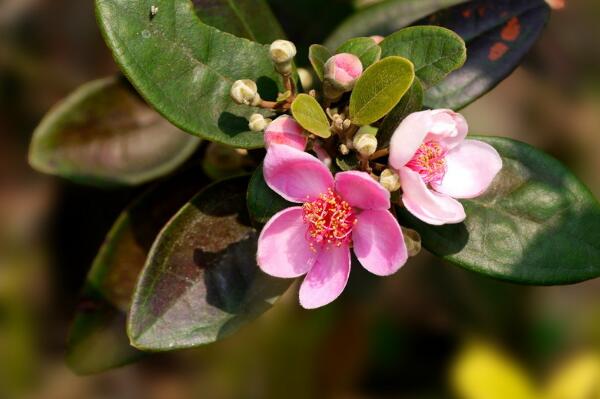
{"x":390,"y":180}
{"x":258,"y":123}
{"x":344,"y":150}
{"x":282,"y":51}
{"x":306,"y":78}
{"x":342,"y":71}
{"x":365,"y":143}
{"x":245,"y":92}
{"x":377,"y":39}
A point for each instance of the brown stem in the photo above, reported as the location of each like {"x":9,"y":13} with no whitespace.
{"x":380,"y":153}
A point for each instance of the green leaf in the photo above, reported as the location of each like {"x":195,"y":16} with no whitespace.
{"x":98,"y":340}
{"x":251,"y":19}
{"x":308,"y":113}
{"x":385,"y":18}
{"x":185,"y":68}
{"x":263,"y":202}
{"x":537,"y":224}
{"x":498,"y":36}
{"x":411,"y":102}
{"x":347,"y":162}
{"x":318,"y":56}
{"x":364,"y":48}
{"x":201,"y":282}
{"x":379,"y":89}
{"x":434,"y":51}
{"x":104,"y":134}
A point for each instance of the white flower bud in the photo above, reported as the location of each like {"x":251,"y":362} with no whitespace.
{"x":258,"y":123}
{"x":412,"y":239}
{"x":282,"y":51}
{"x":365,"y":143}
{"x":344,"y":150}
{"x":390,"y":180}
{"x":245,"y":92}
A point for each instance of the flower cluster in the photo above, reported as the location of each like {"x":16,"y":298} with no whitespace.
{"x":429,"y":165}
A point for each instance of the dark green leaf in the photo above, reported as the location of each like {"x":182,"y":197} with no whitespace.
{"x":185,"y":68}
{"x":263,"y":202}
{"x":201,"y":282}
{"x":308,"y":113}
{"x":318,"y":56}
{"x":379,"y":89}
{"x":364,"y":48}
{"x":386,"y":17}
{"x":104,"y":134}
{"x":98,"y":339}
{"x":411,"y":102}
{"x":434,"y":51}
{"x":537,"y":224}
{"x":251,"y":19}
{"x":498,"y":35}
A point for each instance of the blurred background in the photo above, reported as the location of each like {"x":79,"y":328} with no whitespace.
{"x":431,"y":331}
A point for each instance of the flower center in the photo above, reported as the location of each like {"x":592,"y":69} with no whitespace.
{"x":429,"y":162}
{"x":330,"y":220}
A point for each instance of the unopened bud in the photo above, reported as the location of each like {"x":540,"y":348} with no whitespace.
{"x":285,"y":130}
{"x":342,"y":71}
{"x":282,"y":53}
{"x":258,"y":123}
{"x":412,"y":239}
{"x":365,"y":143}
{"x":245,"y":92}
{"x":344,"y":150}
{"x":390,"y":180}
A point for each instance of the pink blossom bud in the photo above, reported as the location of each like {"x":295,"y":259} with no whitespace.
{"x":377,"y":39}
{"x":342,"y":71}
{"x":285,"y":130}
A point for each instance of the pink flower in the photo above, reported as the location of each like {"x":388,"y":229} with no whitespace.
{"x":337,"y":214}
{"x":285,"y":130}
{"x":436,"y":165}
{"x":342,"y":70}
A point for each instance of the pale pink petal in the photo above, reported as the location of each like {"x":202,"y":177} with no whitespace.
{"x":285,"y":130}
{"x":378,"y":242}
{"x":408,"y":137}
{"x":449,"y":128}
{"x":327,"y":278}
{"x":283,"y":250}
{"x":427,"y":205}
{"x":322,"y":154}
{"x":295,"y":175}
{"x":471,"y":168}
{"x":361,"y":191}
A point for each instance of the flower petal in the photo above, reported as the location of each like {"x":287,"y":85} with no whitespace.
{"x":378,"y":242}
{"x":361,"y":191}
{"x":327,"y":278}
{"x":295,"y":175}
{"x":449,"y":128}
{"x":283,"y":250}
{"x":427,"y":205}
{"x":285,"y":130}
{"x":408,"y":137}
{"x":472,"y":167}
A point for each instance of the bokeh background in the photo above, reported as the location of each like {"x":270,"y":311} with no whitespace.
{"x":408,"y":336}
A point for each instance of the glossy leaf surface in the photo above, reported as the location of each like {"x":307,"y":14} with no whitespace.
{"x":201,"y":282}
{"x":98,"y":340}
{"x":104,"y":134}
{"x":185,"y":68}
